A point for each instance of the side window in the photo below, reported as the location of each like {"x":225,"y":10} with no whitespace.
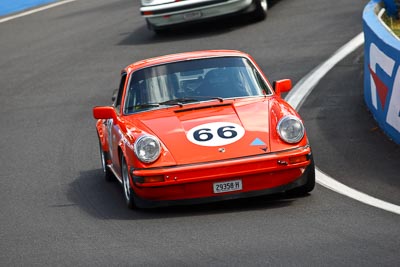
{"x":117,"y":103}
{"x":261,"y":83}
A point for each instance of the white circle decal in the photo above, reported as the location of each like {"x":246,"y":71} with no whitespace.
{"x":215,"y":134}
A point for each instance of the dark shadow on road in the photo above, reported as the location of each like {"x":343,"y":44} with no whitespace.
{"x":142,"y":35}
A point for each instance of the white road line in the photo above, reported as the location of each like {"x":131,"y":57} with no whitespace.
{"x":334,"y":185}
{"x":298,"y":95}
{"x":35,"y":10}
{"x":303,"y":88}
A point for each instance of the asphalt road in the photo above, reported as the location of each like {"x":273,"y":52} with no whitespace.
{"x":56,"y":210}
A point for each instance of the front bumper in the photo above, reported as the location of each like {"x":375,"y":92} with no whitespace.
{"x":260,"y":175}
{"x":160,"y":16}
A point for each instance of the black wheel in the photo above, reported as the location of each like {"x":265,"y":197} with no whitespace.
{"x":156,"y":30}
{"x":309,"y":185}
{"x":260,"y":13}
{"x":128,"y":192}
{"x":108,"y":175}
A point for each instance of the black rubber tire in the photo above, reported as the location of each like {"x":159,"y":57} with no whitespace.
{"x":309,"y":185}
{"x":260,"y":13}
{"x":108,"y":175}
{"x":128,"y":192}
{"x":156,"y":30}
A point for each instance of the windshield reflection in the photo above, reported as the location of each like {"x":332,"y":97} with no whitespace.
{"x":191,"y":81}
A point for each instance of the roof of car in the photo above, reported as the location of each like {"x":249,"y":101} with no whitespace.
{"x":185,"y":56}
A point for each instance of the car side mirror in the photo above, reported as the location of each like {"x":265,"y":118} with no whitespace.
{"x":282,"y":86}
{"x":104,"y":113}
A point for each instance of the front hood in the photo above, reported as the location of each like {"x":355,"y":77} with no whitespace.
{"x":211,"y":131}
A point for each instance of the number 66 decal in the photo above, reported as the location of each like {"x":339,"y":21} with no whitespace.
{"x":215,"y":134}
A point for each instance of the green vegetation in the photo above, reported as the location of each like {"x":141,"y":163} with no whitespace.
{"x":392,"y":23}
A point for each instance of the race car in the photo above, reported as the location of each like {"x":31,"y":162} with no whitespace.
{"x":199,"y":127}
{"x":162,"y":14}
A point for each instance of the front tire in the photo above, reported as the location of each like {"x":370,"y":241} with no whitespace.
{"x":309,"y":185}
{"x":260,"y":13}
{"x":154,"y":28}
{"x":128,"y":192}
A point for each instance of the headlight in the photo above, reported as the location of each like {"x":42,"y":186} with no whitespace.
{"x":290,"y":129}
{"x":147,"y":148}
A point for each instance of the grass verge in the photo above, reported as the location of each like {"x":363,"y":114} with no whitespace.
{"x":393,"y":24}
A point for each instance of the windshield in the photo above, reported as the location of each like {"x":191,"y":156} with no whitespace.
{"x":192,"y":81}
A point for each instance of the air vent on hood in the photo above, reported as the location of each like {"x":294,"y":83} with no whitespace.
{"x":202,"y":107}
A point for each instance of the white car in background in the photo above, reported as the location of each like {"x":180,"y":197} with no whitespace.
{"x":161,"y":14}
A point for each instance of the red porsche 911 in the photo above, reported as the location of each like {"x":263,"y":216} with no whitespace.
{"x":199,"y":127}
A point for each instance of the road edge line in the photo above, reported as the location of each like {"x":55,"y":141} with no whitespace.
{"x":299,"y":94}
{"x":330,"y":183}
{"x":303,"y":88}
{"x":26,"y":13}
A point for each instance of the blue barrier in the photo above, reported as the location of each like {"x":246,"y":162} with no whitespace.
{"x":381,"y":72}
{"x":12,"y":6}
{"x":391,"y":8}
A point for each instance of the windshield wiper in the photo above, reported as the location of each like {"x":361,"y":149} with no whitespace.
{"x":220,"y":99}
{"x":181,"y":101}
{"x":178,"y":101}
{"x":143,"y":106}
